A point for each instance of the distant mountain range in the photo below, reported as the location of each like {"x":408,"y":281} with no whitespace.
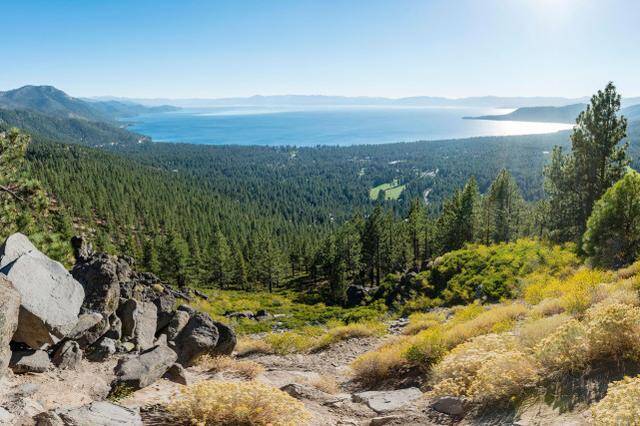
{"x":319,"y":100}
{"x":56,"y":103}
{"x":549,"y":114}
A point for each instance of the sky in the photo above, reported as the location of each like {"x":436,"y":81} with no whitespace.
{"x":391,"y":48}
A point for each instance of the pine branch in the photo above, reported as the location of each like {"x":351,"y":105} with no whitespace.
{"x":8,"y":190}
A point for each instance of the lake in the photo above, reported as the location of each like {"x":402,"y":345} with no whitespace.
{"x":310,"y":126}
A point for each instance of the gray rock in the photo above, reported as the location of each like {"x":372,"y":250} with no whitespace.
{"x":304,"y":391}
{"x":6,"y":418}
{"x":161,"y":340}
{"x":177,"y":323}
{"x":240,"y":314}
{"x":127,"y":347}
{"x":176,"y":373}
{"x":50,"y":297}
{"x":146,"y":324}
{"x":9,"y":309}
{"x":226,"y":339}
{"x":67,"y":356}
{"x":164,"y":304}
{"x":115,"y":328}
{"x":100,"y":413}
{"x":127,"y":314}
{"x":87,"y":335}
{"x":99,"y":277}
{"x":102,"y":350}
{"x":198,"y":337}
{"x":383,"y":420}
{"x":15,"y":246}
{"x":142,"y":370}
{"x":82,"y":249}
{"x":450,"y":405}
{"x":386,"y":401}
{"x":31,"y":361}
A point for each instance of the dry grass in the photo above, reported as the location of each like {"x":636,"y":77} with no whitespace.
{"x":532,"y":331}
{"x":422,"y":321}
{"x":495,"y":320}
{"x":219,"y":364}
{"x":248,"y":346}
{"x":381,"y":363}
{"x":324,"y":383}
{"x":236,"y":403}
{"x":620,"y":405}
{"x":547,"y":307}
{"x":346,"y":332}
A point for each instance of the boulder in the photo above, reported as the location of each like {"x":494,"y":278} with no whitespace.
{"x":139,"y":322}
{"x":30,"y":361}
{"x":176,"y":373}
{"x":304,"y":391}
{"x":15,"y":246}
{"x":450,"y":405}
{"x":164,"y":304}
{"x":82,"y":250}
{"x":226,"y":339}
{"x":177,"y":323}
{"x":50,"y":297}
{"x":142,"y":370}
{"x":9,"y":308}
{"x":240,"y":314}
{"x":103,"y":349}
{"x":100,"y":413}
{"x":99,"y":278}
{"x":198,"y":337}
{"x":47,"y":418}
{"x":88,"y":330}
{"x":386,"y":401}
{"x":67,"y":356}
{"x":115,"y":328}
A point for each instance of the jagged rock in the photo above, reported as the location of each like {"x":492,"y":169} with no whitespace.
{"x":262,"y":315}
{"x":50,"y":297}
{"x":9,"y":308}
{"x":188,"y":309}
{"x":164,"y":303}
{"x":115,"y":328}
{"x":99,"y":277}
{"x":383,"y":420}
{"x":161,"y":340}
{"x":200,"y":294}
{"x":139,"y":321}
{"x":103,"y":349}
{"x":30,"y":361}
{"x":450,"y":405}
{"x":67,"y":356}
{"x":47,"y":418}
{"x":88,"y":336}
{"x":176,"y":373}
{"x":304,"y":391}
{"x":226,"y":339}
{"x":198,"y":337}
{"x":142,"y":370}
{"x":177,"y":323}
{"x":82,"y":250}
{"x":100,"y":413}
{"x":6,"y":418}
{"x":385,"y":401}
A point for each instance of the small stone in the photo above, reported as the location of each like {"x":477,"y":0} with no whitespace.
{"x":67,"y":356}
{"x":176,"y":373}
{"x":385,"y":401}
{"x":450,"y":405}
{"x":103,"y":350}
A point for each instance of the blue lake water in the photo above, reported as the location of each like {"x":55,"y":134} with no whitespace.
{"x":310,"y":126}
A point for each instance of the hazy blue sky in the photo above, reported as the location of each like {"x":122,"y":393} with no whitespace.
{"x":377,"y":48}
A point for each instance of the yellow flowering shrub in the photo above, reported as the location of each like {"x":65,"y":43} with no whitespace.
{"x":494,"y":320}
{"x":566,"y":349}
{"x":620,"y":404}
{"x":237,"y":403}
{"x":426,"y":347}
{"x":382,"y":363}
{"x":423,"y":320}
{"x":613,"y":330}
{"x":456,"y":372}
{"x":218,"y":364}
{"x":248,"y":346}
{"x":349,"y":331}
{"x":548,"y":307}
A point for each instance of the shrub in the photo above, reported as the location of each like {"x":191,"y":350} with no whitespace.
{"x":237,"y":403}
{"x":326,"y":384}
{"x":494,"y":320}
{"x":427,"y":347}
{"x":550,"y":306}
{"x":457,"y":371}
{"x":503,"y":378}
{"x":620,"y":404}
{"x":381,"y":363}
{"x":565,"y":349}
{"x":423,"y":320}
{"x":291,"y":341}
{"x":349,"y":331}
{"x":218,"y":364}
{"x":531,"y":332}
{"x":613,"y":330}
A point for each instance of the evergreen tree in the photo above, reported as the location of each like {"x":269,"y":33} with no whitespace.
{"x":219,"y":260}
{"x":239,"y":269}
{"x":504,"y":209}
{"x":415,"y":222}
{"x":372,"y":236}
{"x":175,"y":259}
{"x":150,"y":260}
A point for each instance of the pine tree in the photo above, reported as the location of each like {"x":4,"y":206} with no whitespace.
{"x":219,"y":260}
{"x":415,"y":224}
{"x":504,"y":209}
{"x":239,"y":272}
{"x":150,"y":260}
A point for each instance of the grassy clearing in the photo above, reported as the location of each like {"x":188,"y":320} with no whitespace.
{"x":391,"y":190}
{"x":289,"y":314}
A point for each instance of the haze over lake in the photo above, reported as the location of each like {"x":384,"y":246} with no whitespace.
{"x":310,"y":126}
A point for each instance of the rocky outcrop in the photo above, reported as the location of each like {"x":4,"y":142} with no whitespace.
{"x":9,"y":308}
{"x":99,"y":278}
{"x":50,"y":297}
{"x":30,"y":361}
{"x":67,"y":356}
{"x":100,"y":413}
{"x":139,"y":371}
